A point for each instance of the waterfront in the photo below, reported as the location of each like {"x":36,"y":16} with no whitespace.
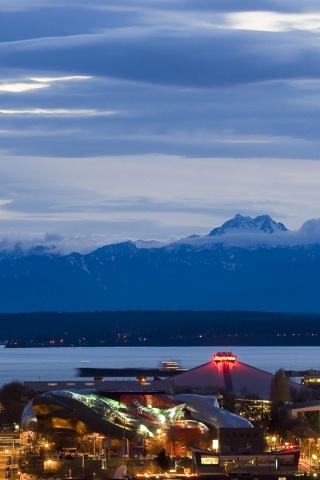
{"x":30,"y":364}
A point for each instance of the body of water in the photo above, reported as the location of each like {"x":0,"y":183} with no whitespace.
{"x":30,"y":364}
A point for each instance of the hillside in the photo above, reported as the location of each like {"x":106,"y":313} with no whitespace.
{"x":242,"y":266}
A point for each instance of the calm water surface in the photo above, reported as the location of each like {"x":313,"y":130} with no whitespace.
{"x":27,"y":364}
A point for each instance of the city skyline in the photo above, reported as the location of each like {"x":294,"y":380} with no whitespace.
{"x":156,"y":120}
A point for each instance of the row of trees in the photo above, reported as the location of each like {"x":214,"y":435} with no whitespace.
{"x":159,"y":328}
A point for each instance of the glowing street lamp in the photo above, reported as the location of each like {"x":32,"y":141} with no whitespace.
{"x":274,"y":439}
{"x":143,"y":430}
{"x":299,"y":440}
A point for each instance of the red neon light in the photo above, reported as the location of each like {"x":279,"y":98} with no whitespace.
{"x":222,"y":359}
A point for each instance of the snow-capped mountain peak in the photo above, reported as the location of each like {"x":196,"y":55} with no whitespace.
{"x":268,"y":225}
{"x":241,"y":224}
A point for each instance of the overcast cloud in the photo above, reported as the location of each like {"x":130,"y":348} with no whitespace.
{"x":156,"y":119}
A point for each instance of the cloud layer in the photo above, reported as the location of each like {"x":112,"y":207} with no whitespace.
{"x":138,"y":119}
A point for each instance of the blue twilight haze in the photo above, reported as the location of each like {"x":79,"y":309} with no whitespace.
{"x":155,"y":119}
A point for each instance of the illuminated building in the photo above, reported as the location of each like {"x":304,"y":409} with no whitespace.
{"x":257,"y":411}
{"x":224,"y":372}
{"x":210,"y":463}
{"x":137,"y":410}
{"x":227,"y":373}
{"x":118,"y":411}
{"x":311,"y":380}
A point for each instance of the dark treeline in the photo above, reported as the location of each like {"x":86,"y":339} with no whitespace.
{"x":136,"y":328}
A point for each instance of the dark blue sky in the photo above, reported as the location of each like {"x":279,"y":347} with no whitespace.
{"x":156,"y":119}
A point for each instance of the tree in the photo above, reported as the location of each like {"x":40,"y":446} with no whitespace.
{"x":163,"y":460}
{"x":279,"y":395}
{"x":280,"y":389}
{"x":13,"y":397}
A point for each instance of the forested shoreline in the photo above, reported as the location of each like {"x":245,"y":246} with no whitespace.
{"x":157,"y":328}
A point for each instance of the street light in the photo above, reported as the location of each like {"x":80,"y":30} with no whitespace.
{"x":309,"y":454}
{"x":82,"y":464}
{"x":314,"y":457}
{"x":143,"y":431}
{"x":124,"y":439}
{"x":299,"y":440}
{"x":46,"y":447}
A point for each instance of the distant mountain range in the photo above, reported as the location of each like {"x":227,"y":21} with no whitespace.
{"x":246,"y":264}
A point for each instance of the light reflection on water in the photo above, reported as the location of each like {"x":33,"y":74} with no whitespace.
{"x":27,"y":364}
